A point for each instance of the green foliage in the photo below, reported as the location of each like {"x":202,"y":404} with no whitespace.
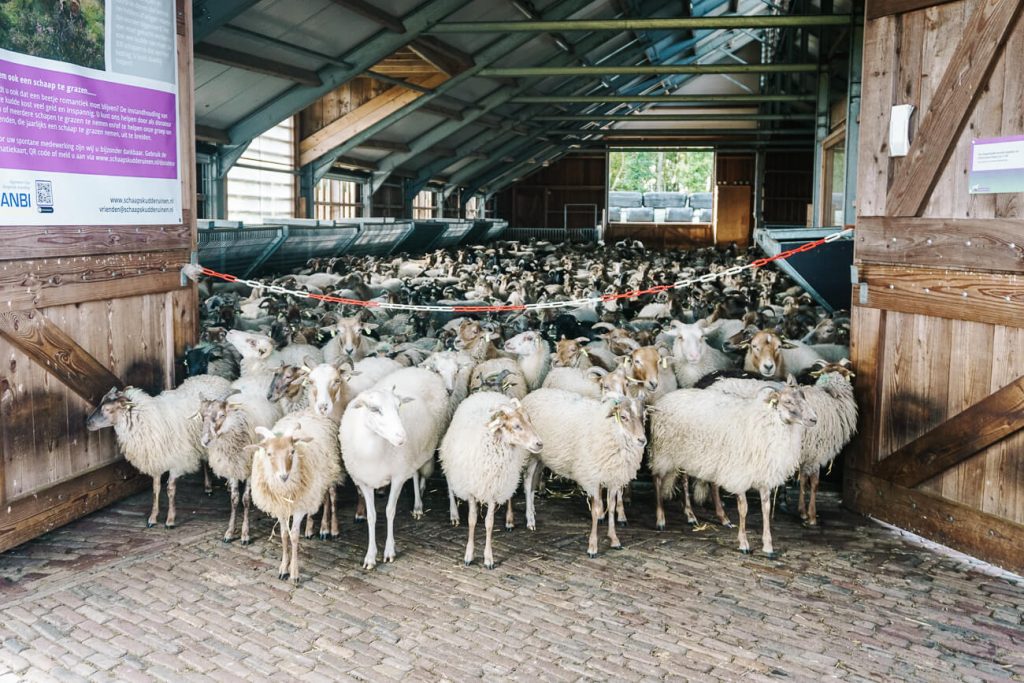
{"x":662,"y":171}
{"x":65,"y":30}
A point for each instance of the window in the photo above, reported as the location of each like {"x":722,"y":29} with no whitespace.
{"x":337,"y":199}
{"x":262,"y":183}
{"x":425,"y":205}
{"x":474,"y":208}
{"x":660,"y":186}
{"x":833,"y":179}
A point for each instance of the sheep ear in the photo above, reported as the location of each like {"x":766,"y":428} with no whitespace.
{"x":772,"y":398}
{"x":580,"y":340}
{"x":790,"y":380}
{"x":309,"y":362}
{"x":250,"y":449}
{"x":405,"y":399}
{"x":664,"y":362}
{"x":596,"y":373}
{"x":110,"y":395}
{"x":358,"y":403}
{"x":369,"y":327}
{"x":788,"y":344}
{"x":264,"y":432}
{"x":495,"y":424}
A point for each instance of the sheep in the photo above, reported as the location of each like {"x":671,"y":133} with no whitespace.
{"x":260,"y":357}
{"x":380,"y":445}
{"x":475,"y":340}
{"x":292,"y":467}
{"x":774,"y":357}
{"x":831,"y":397}
{"x":349,"y":341}
{"x":207,"y":358}
{"x":512,"y":381}
{"x":534,"y":355}
{"x":692,"y":356}
{"x":650,"y":369}
{"x":455,"y":369}
{"x":584,"y":383}
{"x":595,"y":443}
{"x":571,"y":353}
{"x":735,"y":442}
{"x":483,"y":454}
{"x":159,"y":434}
{"x":228,"y":426}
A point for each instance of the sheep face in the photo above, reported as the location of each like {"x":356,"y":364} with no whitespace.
{"x":628,"y":414}
{"x":613,"y":384}
{"x":325,"y":385}
{"x":792,"y":404}
{"x":569,"y":353}
{"x":620,"y":341}
{"x":278,"y":454}
{"x":764,"y":354}
{"x":380,"y":411}
{"x":108,"y":411}
{"x":288,"y":380}
{"x":472,"y":334}
{"x":524,"y":343}
{"x":512,"y":425}
{"x":214,"y":414}
{"x":643,"y":366}
{"x":688,"y":341}
{"x":251,"y":344}
{"x":447,"y":365}
{"x":350,"y":332}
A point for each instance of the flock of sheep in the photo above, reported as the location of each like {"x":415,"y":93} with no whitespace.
{"x":289,"y":398}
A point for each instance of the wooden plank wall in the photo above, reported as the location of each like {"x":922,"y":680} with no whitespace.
{"x":538,"y":200}
{"x":342,"y":100}
{"x":87,"y":307}
{"x":788,"y":184}
{"x":940,"y":324}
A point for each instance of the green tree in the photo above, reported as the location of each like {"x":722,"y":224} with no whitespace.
{"x":669,"y":171}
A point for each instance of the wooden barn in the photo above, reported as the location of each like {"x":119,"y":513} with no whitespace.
{"x":176,"y":175}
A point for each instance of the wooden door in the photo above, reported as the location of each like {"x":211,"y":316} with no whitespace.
{"x":733,"y":215}
{"x":84,"y":309}
{"x":938,"y":314}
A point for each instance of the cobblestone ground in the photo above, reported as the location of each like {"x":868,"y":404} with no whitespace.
{"x":107,"y":599}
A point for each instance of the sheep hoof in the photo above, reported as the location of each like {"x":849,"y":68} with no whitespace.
{"x":771,"y":554}
{"x":510,"y":527}
{"x":468,"y":563}
{"x":324,"y":535}
{"x":692,"y":522}
{"x":417,"y":514}
{"x":622,"y":522}
{"x":360,"y":518}
{"x":168,"y":525}
{"x":617,"y":546}
{"x":150,"y":525}
{"x":745,"y":551}
{"x":810,"y":523}
{"x":660,"y":526}
{"x":455,"y":522}
{"x":592,"y":554}
{"x":246,"y":541}
{"x":228,"y":539}
{"x":728,"y":525}
{"x":283,"y":576}
{"x":489,"y":565}
{"x":369,"y":565}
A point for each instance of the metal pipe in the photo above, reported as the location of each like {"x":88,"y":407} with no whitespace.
{"x":662,"y":24}
{"x":640,"y":118}
{"x":644,"y":70}
{"x":679,"y":132}
{"x":661,"y":99}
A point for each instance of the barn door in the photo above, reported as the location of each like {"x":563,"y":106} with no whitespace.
{"x":938,"y":298}
{"x":84,"y":308}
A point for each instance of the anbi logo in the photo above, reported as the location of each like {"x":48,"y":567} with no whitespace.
{"x":16,"y":200}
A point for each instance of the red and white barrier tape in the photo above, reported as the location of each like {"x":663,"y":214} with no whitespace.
{"x":508,"y":308}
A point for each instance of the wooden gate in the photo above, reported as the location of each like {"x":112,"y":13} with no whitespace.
{"x":938,"y":314}
{"x":83,"y":309}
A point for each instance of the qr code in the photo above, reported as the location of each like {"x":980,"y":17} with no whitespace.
{"x":44,"y":194}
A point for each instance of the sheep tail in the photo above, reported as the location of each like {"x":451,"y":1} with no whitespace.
{"x":700,"y":491}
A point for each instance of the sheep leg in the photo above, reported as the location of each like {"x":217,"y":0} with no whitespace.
{"x":612,"y":536}
{"x":659,"y":514}
{"x":417,"y":507}
{"x":453,"y":506}
{"x":246,"y":502}
{"x":529,"y":482}
{"x":741,"y":504}
{"x":155,"y":511}
{"x":329,"y":522}
{"x":172,"y":488}
{"x":207,"y":484}
{"x":691,"y":518}
{"x":716,"y":496}
{"x":489,"y":528}
{"x":282,"y":571}
{"x":766,"y":520}
{"x":800,"y":507}
{"x":361,"y":509}
{"x":389,"y":544}
{"x":294,"y":534}
{"x":595,"y":506}
{"x":599,"y":500}
{"x":370,"y":561}
{"x":510,"y":516}
{"x":812,"y":507}
{"x":333,"y":492}
{"x":471,"y":519}
{"x":309,"y":525}
{"x":620,"y":507}
{"x":229,"y":535}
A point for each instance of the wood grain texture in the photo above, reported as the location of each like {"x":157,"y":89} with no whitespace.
{"x":733,"y":218}
{"x":51,"y":347}
{"x":1011,"y":205}
{"x":30,"y":242}
{"x":884,"y":8}
{"x":968,"y":70}
{"x":1003,"y":467}
{"x":28,"y":517}
{"x":867,"y":352}
{"x":990,"y":244}
{"x":972,"y":531}
{"x":958,"y":438}
{"x":876,"y":99}
{"x":956,"y":295}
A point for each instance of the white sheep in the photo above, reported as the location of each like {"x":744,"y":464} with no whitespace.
{"x":650,"y":369}
{"x":597,"y":444}
{"x":261,"y":360}
{"x":483,"y":453}
{"x":388,"y":433}
{"x":499,"y":374}
{"x":736,"y":442}
{"x":692,"y":356}
{"x":159,"y":434}
{"x":292,"y":468}
{"x":349,"y":341}
{"x":534,"y":355}
{"x":582,"y":382}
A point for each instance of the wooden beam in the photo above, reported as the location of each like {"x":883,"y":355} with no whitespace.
{"x":57,"y":353}
{"x":940,"y":125}
{"x":260,"y":65}
{"x":361,"y":118}
{"x":446,"y":112}
{"x":980,"y":297}
{"x":34,"y":242}
{"x":995,"y":244}
{"x":373,"y":13}
{"x":28,"y":517}
{"x":958,"y":438}
{"x":441,"y":55}
{"x":884,"y":8}
{"x":211,"y":134}
{"x":972,"y":531}
{"x":386,"y":145}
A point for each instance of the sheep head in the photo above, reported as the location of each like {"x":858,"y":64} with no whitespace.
{"x":251,"y":344}
{"x":326,"y":383}
{"x":350,"y":333}
{"x":278,"y":453}
{"x":512,"y":425}
{"x":643,"y":366}
{"x":629,"y":415}
{"x":526,"y":343}
{"x":791,"y":403}
{"x":688,"y":340}
{"x":569,"y":353}
{"x":764,"y":354}
{"x":109,"y":410}
{"x":214,"y":414}
{"x":379,"y":409}
{"x":288,"y":381}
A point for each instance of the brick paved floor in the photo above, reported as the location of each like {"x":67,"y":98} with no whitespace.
{"x":106,"y":599}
